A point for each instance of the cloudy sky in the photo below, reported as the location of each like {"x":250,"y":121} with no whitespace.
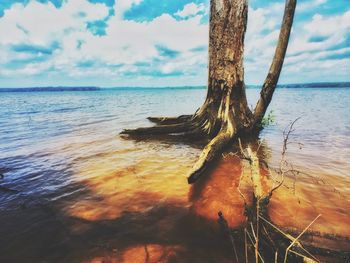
{"x":160,"y":42}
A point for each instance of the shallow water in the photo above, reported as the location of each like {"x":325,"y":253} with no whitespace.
{"x":80,"y":192}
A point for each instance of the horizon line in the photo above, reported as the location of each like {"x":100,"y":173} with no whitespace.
{"x":342,"y":83}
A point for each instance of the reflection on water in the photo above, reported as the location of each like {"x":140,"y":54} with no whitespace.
{"x":296,"y":208}
{"x":223,"y":182}
{"x":87,"y":195}
{"x":160,"y":172}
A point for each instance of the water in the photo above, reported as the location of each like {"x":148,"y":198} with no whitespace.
{"x":75,"y":191}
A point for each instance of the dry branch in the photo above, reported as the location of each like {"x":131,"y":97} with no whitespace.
{"x":283,"y":163}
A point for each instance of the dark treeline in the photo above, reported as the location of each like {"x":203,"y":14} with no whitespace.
{"x":49,"y":89}
{"x":58,"y":89}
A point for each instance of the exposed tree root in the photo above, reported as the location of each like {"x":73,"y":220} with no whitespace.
{"x":194,"y":124}
{"x":161,"y":129}
{"x":209,"y":153}
{"x":266,"y":242}
{"x":170,"y":120}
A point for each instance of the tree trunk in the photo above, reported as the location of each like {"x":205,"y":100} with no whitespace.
{"x":225,"y":113}
{"x":277,"y":63}
{"x":225,"y":107}
{"x":226,"y":103}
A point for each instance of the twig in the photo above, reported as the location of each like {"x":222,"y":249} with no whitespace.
{"x":291,"y":238}
{"x":245,"y":245}
{"x":301,"y":255}
{"x":259,"y":145}
{"x":257,"y":231}
{"x":296,"y":239}
{"x":251,"y":240}
{"x":283,"y":161}
{"x":253,"y":232}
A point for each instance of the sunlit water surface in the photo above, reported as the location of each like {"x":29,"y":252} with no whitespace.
{"x":73,"y":190}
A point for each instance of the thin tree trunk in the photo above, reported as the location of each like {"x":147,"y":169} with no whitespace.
{"x":271,"y":80}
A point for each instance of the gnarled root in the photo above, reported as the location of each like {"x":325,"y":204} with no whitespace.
{"x":158,"y":130}
{"x":209,"y":153}
{"x":170,"y":120}
{"x":195,"y":124}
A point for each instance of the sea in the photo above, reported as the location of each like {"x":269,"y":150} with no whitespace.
{"x":72,"y":189}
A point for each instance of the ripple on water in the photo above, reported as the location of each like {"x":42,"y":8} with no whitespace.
{"x":64,"y":151}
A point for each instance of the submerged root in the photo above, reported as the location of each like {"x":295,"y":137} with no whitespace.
{"x":200,"y":126}
{"x":210,"y":152}
{"x":161,"y":129}
{"x":194,"y":125}
{"x":170,"y":120}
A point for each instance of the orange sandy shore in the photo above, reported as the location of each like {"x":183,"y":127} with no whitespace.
{"x":159,"y":181}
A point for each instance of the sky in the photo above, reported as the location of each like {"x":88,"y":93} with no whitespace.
{"x":111,"y":43}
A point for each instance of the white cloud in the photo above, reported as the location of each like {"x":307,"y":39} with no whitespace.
{"x":129,"y":44}
{"x":38,"y":23}
{"x":326,"y":26}
{"x":191,"y":9}
{"x":333,"y":31}
{"x":303,"y":54}
{"x":125,"y":43}
{"x":309,"y":5}
{"x":123,"y":5}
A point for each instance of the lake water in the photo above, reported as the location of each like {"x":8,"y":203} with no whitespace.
{"x":73,"y":190}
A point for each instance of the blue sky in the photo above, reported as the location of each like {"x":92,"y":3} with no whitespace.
{"x":113,"y":43}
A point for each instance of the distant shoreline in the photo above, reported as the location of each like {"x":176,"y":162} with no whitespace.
{"x":63,"y":89}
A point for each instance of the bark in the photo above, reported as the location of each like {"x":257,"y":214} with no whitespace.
{"x":226,"y":90}
{"x":226,"y":104}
